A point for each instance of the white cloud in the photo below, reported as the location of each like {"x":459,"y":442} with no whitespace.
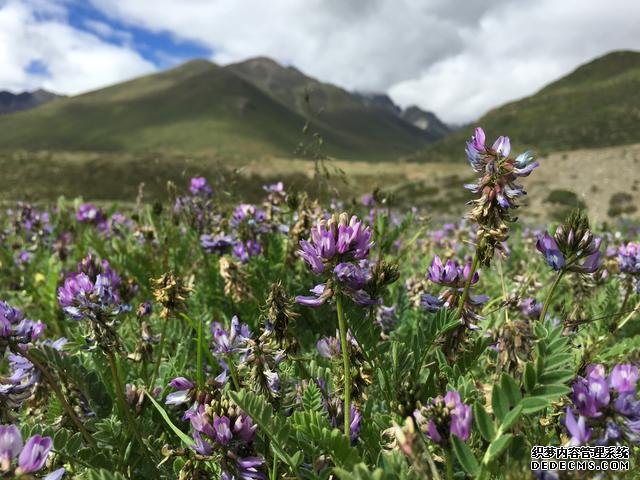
{"x":516,"y":50}
{"x":75,"y":61}
{"x":458,"y":59}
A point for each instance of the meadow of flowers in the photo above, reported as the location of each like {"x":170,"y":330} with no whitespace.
{"x":205,"y":339}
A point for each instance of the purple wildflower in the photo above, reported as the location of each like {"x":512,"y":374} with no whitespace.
{"x":89,"y":213}
{"x":200,"y":187}
{"x":339,"y":250}
{"x":10,"y":445}
{"x":623,"y":378}
{"x":216,"y":244}
{"x":184,"y":389}
{"x":34,"y":454}
{"x":530,"y":308}
{"x":580,"y":432}
{"x":445,"y":416}
{"x":552,"y":255}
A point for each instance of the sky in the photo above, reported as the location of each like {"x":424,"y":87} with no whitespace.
{"x":458,"y":59}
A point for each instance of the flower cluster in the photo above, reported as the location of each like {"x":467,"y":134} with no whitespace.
{"x":445,"y":416}
{"x":337,"y":249}
{"x":453,"y":276}
{"x":18,"y":385}
{"x":90,"y":214}
{"x":257,"y":357}
{"x":220,"y":428}
{"x":82,"y":299}
{"x":247,"y":226}
{"x":197,"y":208}
{"x":497,"y":187}
{"x":94,"y":294}
{"x":573,"y":247}
{"x":14,"y":327}
{"x":32,"y":455}
{"x":629,"y":261}
{"x":607,"y":407}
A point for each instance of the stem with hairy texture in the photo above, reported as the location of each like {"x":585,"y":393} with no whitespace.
{"x":199,"y":366}
{"x":449,"y":464}
{"x":156,"y":367}
{"x":56,"y":389}
{"x":344,"y":347}
{"x":234,"y":374}
{"x":131,"y":422}
{"x":467,"y":285}
{"x":627,"y":294}
{"x":504,"y":290}
{"x":547,"y":301}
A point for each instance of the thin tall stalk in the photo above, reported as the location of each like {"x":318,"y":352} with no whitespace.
{"x":344,"y":347}
{"x":156,"y":367}
{"x":467,"y":285}
{"x":131,"y":421}
{"x":199,"y":366}
{"x":547,"y":302}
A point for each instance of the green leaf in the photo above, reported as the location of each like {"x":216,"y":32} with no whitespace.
{"x":557,"y":360}
{"x":557,"y":376}
{"x":483,"y":422}
{"x":103,"y":474}
{"x":511,"y":418}
{"x":551,"y":391}
{"x":529,"y":377}
{"x":465,"y":456}
{"x":186,"y":439}
{"x":510,"y":388}
{"x":312,"y":398}
{"x":497,"y":447}
{"x":499,"y":402}
{"x":534,"y":404}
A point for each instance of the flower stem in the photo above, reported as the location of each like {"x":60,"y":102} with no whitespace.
{"x":467,"y":285}
{"x":627,"y":294}
{"x":131,"y":422}
{"x":449,"y":464}
{"x":56,"y":389}
{"x":505,"y":296}
{"x":547,"y":301}
{"x":344,"y":347}
{"x":199,"y":347}
{"x":156,"y":367}
{"x":234,"y":374}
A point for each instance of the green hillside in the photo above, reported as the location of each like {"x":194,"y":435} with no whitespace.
{"x":199,"y":107}
{"x":597,"y":105}
{"x":329,"y":105}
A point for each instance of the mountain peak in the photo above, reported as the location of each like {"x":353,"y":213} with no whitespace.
{"x":15,"y":102}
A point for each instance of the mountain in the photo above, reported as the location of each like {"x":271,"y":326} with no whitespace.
{"x":15,"y":102}
{"x":379,"y":100}
{"x":426,"y":121}
{"x":252,"y":109}
{"x":596,"y":105}
{"x":327,"y":104}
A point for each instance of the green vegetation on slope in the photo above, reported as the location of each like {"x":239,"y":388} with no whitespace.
{"x":198,"y":107}
{"x":597,"y":105}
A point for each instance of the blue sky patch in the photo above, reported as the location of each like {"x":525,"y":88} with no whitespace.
{"x":161,"y":48}
{"x":37,"y":67}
